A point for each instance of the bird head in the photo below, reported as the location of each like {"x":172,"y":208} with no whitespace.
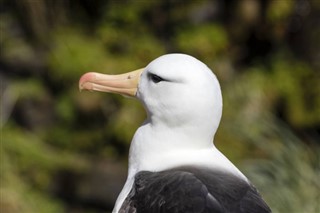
{"x":177,"y":90}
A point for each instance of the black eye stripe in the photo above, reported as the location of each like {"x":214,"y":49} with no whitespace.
{"x":155,"y":78}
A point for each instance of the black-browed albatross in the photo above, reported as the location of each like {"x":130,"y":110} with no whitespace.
{"x":173,"y":163}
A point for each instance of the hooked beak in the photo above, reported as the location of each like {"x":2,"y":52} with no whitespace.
{"x":124,"y":84}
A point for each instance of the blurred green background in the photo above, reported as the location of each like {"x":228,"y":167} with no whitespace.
{"x":66,"y":151}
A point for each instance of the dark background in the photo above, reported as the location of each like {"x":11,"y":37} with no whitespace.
{"x":66,"y":151}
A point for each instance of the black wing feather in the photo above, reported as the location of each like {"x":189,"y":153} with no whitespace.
{"x":192,"y":190}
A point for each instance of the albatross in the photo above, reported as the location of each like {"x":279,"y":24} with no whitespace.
{"x":174,"y":165}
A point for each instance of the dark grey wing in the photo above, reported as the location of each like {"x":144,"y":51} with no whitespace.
{"x":234,"y":194}
{"x":252,"y":202}
{"x":169,"y":192}
{"x":193,"y":189}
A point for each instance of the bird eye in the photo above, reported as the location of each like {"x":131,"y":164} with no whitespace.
{"x":155,"y":78}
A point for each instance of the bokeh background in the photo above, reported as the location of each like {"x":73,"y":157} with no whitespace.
{"x":66,"y":151}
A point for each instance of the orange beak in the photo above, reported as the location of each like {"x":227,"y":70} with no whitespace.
{"x":124,"y":84}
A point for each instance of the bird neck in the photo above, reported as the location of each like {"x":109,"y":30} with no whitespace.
{"x":152,"y":145}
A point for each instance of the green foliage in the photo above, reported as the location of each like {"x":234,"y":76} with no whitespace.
{"x":27,"y":168}
{"x":120,"y":42}
{"x":28,"y":88}
{"x":280,"y":10}
{"x":298,"y":85}
{"x":73,"y":54}
{"x":201,"y":41}
{"x":288,"y":179}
